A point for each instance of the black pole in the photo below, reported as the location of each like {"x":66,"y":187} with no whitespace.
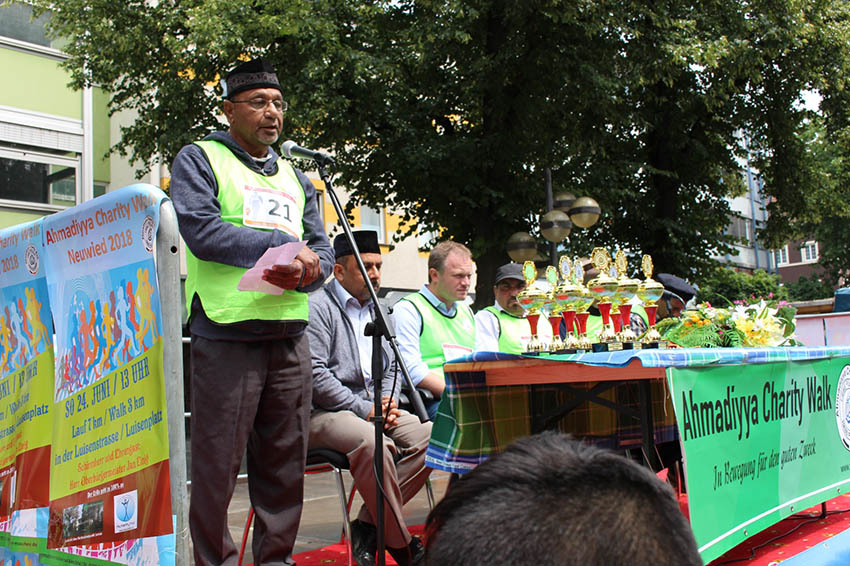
{"x":550,"y":205}
{"x":378,"y":419}
{"x":380,"y":328}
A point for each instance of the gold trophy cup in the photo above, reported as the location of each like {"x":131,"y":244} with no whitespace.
{"x":650,"y":291}
{"x":627,"y":288}
{"x":603,"y":287}
{"x":532,"y":299}
{"x":554,"y":307}
{"x":582,"y":299}
{"x":565,"y":294}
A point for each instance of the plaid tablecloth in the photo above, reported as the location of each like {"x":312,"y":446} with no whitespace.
{"x":475,"y":421}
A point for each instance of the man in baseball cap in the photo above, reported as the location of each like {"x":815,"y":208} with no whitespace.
{"x":502,"y":327}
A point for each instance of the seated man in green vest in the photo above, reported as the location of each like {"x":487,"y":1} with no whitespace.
{"x":502,"y":327}
{"x":432,"y":324}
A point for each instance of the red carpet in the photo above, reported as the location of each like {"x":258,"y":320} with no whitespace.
{"x":335,"y":554}
{"x":766,"y":548}
{"x":761,"y":550}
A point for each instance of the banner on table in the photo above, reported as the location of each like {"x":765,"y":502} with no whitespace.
{"x":760,"y":442}
{"x":84,"y":475}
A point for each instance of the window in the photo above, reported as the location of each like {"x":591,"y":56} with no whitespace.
{"x":741,"y":228}
{"x":38,"y":180}
{"x":371,"y":219}
{"x":809,"y":252}
{"x":16,"y":23}
{"x":781,"y":256}
{"x":320,"y":204}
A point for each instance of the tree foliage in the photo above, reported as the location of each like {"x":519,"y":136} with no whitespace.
{"x":826,"y":219}
{"x":723,"y":286}
{"x":449,"y":110}
{"x":809,"y":289}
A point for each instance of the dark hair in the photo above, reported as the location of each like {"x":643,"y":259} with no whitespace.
{"x":549,"y":499}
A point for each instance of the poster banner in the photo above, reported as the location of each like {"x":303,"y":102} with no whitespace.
{"x":26,"y":360}
{"x":109,"y":476}
{"x":761,"y":442}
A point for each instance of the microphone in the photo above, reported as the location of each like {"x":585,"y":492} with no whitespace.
{"x":291,"y":150}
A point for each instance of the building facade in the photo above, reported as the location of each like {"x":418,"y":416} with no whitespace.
{"x":53,"y":139}
{"x":798,"y":259}
{"x":749,"y":214}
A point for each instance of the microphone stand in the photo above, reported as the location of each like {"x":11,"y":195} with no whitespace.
{"x":380,"y":328}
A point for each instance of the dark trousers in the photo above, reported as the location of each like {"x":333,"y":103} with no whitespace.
{"x":253,"y":395}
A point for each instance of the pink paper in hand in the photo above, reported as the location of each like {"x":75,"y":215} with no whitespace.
{"x":281,"y":255}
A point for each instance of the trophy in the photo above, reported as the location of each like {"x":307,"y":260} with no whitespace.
{"x":627,"y":288}
{"x":554,"y":308}
{"x":650,"y":291}
{"x":532,"y":299}
{"x":581,"y":300}
{"x":603,"y":287}
{"x":565,"y":294}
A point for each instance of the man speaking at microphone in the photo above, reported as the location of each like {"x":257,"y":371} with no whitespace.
{"x":251,"y":372}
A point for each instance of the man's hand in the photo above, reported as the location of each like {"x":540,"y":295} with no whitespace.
{"x":391,"y":412}
{"x":302,"y":271}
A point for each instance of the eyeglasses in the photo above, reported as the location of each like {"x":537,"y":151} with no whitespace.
{"x":508,"y":286}
{"x":261,"y":103}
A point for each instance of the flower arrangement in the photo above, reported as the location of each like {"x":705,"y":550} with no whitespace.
{"x":745,"y":324}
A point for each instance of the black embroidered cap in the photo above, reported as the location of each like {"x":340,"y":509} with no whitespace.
{"x":366,"y":240}
{"x":256,"y":73}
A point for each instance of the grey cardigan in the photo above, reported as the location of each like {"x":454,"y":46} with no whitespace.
{"x":338,"y":382}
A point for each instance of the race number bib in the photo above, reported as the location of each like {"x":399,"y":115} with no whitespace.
{"x":270,"y":209}
{"x":454,"y":351}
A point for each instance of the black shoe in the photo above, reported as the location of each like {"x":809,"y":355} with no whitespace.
{"x":417,"y":551}
{"x":364,"y":543}
{"x":411,"y":555}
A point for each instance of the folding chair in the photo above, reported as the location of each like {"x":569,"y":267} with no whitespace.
{"x":319,"y":461}
{"x":323,"y":460}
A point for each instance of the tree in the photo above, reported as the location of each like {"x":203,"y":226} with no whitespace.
{"x":724,"y":286}
{"x":826,"y":216}
{"x":448,"y":110}
{"x":809,"y":289}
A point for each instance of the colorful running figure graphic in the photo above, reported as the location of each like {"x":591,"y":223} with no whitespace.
{"x":24,"y":322}
{"x":14,"y":341}
{"x":106,"y":325}
{"x":100,"y":344}
{"x":23,"y":333}
{"x":89,"y":342}
{"x":39,"y":330}
{"x":5,"y":344}
{"x":146,"y":315}
{"x":114,"y":352}
{"x":127,"y":312}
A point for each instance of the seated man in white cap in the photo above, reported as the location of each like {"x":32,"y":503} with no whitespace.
{"x":343,"y":402}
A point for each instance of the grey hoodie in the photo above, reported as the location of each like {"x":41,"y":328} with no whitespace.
{"x":194,"y":190}
{"x":338,"y":383}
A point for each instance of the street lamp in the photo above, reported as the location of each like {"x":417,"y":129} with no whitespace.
{"x":563,"y":212}
{"x":584,"y":212}
{"x":521,"y":247}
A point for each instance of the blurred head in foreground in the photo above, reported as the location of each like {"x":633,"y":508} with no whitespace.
{"x":549,"y":499}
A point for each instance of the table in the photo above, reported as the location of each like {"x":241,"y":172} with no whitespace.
{"x":740,"y":478}
{"x":493,"y":398}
